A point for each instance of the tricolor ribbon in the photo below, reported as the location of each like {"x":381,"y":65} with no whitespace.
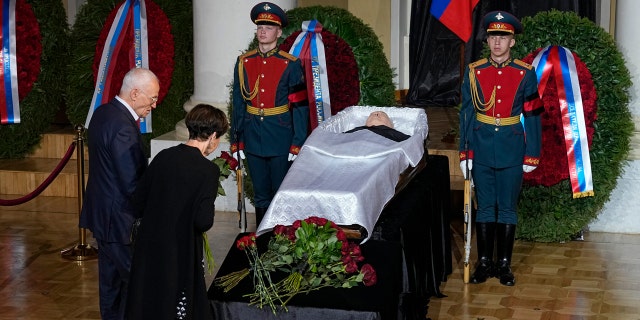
{"x":560,"y":62}
{"x":310,"y":49}
{"x":131,"y":17}
{"x":9,"y":99}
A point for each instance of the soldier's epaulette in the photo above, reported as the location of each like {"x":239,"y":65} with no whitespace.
{"x":522,"y":64}
{"x":288,"y":55}
{"x":478,"y":63}
{"x":248,"y":53}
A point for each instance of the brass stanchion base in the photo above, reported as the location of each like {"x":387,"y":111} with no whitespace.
{"x":80,"y":252}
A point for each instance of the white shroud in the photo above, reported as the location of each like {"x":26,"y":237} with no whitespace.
{"x":348,"y":177}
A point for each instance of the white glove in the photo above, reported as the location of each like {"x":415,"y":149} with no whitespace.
{"x":235,"y":155}
{"x":527,"y":168}
{"x":292,"y":156}
{"x":463,"y":167}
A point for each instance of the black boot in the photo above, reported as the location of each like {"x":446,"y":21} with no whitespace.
{"x":506,"y":234}
{"x":259,"y":215}
{"x":485,"y":232}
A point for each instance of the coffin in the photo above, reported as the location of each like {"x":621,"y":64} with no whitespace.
{"x":348,"y":178}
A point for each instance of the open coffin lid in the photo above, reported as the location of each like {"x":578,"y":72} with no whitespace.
{"x":348,"y":177}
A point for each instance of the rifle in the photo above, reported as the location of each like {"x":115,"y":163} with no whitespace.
{"x":467,"y":204}
{"x":467,"y":219}
{"x":242,"y":209}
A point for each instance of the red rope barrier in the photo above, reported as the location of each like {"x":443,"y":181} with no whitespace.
{"x":45,"y":183}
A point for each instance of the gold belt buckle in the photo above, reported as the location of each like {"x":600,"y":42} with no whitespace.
{"x":261,"y":113}
{"x":497,"y":121}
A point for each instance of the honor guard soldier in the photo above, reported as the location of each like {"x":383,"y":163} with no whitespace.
{"x":270,"y":108}
{"x":500,"y":138}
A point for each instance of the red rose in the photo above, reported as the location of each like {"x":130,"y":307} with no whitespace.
{"x":321,"y":222}
{"x":342,"y":237}
{"x":231,"y":161}
{"x":279,"y":229}
{"x":350,"y":266}
{"x":370,"y":277}
{"x":246,"y":241}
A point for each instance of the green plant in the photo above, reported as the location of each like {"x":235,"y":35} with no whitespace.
{"x":550,"y":214}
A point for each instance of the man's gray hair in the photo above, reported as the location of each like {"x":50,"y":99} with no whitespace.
{"x":137,"y":78}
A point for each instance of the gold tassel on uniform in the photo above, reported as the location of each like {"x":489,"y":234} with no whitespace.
{"x":475,"y":96}
{"x":246,"y":94}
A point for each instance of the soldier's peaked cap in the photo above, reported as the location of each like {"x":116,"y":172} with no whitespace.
{"x":501,"y":22}
{"x":269,"y":13}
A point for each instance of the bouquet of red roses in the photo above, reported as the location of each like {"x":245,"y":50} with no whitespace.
{"x":314,"y":253}
{"x":227,"y":164}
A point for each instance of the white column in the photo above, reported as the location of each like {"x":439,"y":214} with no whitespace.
{"x":620,"y":213}
{"x":222,"y":30}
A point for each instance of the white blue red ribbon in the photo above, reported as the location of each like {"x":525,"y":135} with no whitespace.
{"x":309,"y":47}
{"x":560,"y":62}
{"x":9,"y":99}
{"x":130,"y":17}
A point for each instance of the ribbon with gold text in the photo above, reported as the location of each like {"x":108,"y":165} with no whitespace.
{"x":9,"y":99}
{"x":309,"y":47}
{"x":560,"y":62}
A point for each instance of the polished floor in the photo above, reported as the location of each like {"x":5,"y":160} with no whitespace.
{"x":598,"y":278}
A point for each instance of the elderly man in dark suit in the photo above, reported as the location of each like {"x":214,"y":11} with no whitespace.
{"x":117,"y":160}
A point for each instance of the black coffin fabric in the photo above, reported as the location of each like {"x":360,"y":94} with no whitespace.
{"x":410,"y":250}
{"x":418,"y":217}
{"x":379,"y":301}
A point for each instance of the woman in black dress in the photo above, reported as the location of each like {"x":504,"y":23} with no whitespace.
{"x":175,"y":199}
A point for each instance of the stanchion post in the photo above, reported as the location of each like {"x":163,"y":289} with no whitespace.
{"x":82,"y":251}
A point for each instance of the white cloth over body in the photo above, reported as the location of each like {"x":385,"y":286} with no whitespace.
{"x":348,"y":177}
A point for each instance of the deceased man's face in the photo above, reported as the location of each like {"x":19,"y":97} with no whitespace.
{"x":379,"y":118}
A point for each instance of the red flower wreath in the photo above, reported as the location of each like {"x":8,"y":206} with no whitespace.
{"x":553,"y":166}
{"x":161,"y":48}
{"x":28,"y":47}
{"x":342,"y":69}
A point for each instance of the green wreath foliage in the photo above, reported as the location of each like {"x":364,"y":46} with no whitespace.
{"x":376,"y":76}
{"x":39,"y":107}
{"x":550,"y":214}
{"x":375,"y":73}
{"x":84,"y":36}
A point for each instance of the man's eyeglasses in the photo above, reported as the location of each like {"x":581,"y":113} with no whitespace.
{"x":153,"y":99}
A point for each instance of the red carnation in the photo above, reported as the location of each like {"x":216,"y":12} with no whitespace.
{"x":370,"y":276}
{"x":342,"y":69}
{"x":554,"y":166}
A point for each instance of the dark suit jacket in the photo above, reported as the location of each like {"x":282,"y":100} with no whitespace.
{"x":116,"y":163}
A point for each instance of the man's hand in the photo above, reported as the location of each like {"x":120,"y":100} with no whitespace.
{"x":463,"y":167}
{"x":527,"y":168}
{"x":235,"y":155}
{"x":292,"y":156}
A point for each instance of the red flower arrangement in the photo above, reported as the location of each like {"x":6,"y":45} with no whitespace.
{"x":161,"y":48}
{"x":553,"y":166}
{"x":314,"y":253}
{"x":28,"y":47}
{"x":342,"y":69}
